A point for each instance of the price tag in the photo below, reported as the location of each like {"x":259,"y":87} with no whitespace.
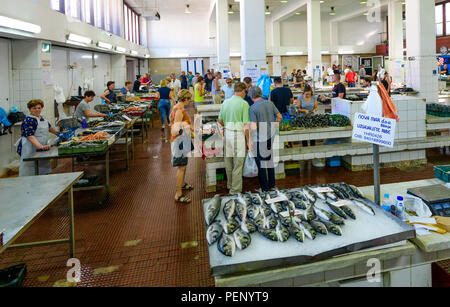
{"x":341,"y":203}
{"x":285,"y":214}
{"x":278,"y":199}
{"x":323,"y":190}
{"x":297,"y":212}
{"x":126,"y":118}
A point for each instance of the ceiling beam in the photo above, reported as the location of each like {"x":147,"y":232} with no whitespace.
{"x":212,"y":11}
{"x":287,"y":10}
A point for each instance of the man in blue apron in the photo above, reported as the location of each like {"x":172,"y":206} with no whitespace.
{"x":109,"y":96}
{"x":34,"y":137}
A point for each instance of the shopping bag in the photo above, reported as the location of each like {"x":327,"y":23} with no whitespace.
{"x":250,"y":167}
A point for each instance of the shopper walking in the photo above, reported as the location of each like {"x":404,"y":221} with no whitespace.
{"x":234,"y":118}
{"x":34,"y":137}
{"x":165,"y":96}
{"x":195,"y":79}
{"x":362,"y":72}
{"x":350,"y":77}
{"x":184,"y":81}
{"x":190,"y":77}
{"x":281,"y":96}
{"x":208,"y":81}
{"x":215,"y":90}
{"x":182,"y":134}
{"x":199,"y":90}
{"x":264,"y":118}
{"x":387,"y":83}
{"x":175,"y":85}
{"x":248,"y":84}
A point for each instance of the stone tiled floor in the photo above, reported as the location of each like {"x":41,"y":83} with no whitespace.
{"x":141,"y":209}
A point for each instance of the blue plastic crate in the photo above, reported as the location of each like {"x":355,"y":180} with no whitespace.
{"x":334,"y":161}
{"x":442,"y":172}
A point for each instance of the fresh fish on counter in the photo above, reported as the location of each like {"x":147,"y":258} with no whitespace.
{"x":298,"y":203}
{"x":341,"y":190}
{"x":322,"y":213}
{"x":349,"y":212}
{"x":230,"y":226}
{"x":336,"y":191}
{"x":241,"y":209}
{"x":363,"y":206}
{"x":285,"y":218}
{"x":248,"y":226}
{"x":332,"y":196}
{"x":214,"y":232}
{"x":288,"y":205}
{"x":336,"y":219}
{"x":270,"y":234}
{"x":355,"y":191}
{"x":229,"y":210}
{"x":308,"y":230}
{"x":282,"y":232}
{"x":256,"y":199}
{"x":212,"y":209}
{"x":310,"y":214}
{"x":337,"y":210}
{"x":227,"y":245}
{"x":266,"y":209}
{"x":276,"y":208}
{"x":242,"y":239}
{"x":266,"y":221}
{"x":334,"y":229}
{"x":319,"y":227}
{"x":309,"y":196}
{"x":246,"y":198}
{"x":253,"y":211}
{"x":296,"y":231}
{"x":317,"y":195}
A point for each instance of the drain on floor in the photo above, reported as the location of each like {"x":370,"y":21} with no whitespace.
{"x":132,"y":243}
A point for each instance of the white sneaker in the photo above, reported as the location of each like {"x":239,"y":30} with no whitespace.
{"x":318,"y":163}
{"x":163,"y":127}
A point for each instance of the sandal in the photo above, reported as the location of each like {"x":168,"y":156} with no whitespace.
{"x":187,"y":187}
{"x":183,"y":199}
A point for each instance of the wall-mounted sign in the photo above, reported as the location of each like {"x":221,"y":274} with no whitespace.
{"x":46,"y":48}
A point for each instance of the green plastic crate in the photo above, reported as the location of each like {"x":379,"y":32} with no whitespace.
{"x":442,"y":172}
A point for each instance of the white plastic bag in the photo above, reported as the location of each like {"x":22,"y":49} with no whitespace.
{"x":417,"y":205}
{"x":250,"y":167}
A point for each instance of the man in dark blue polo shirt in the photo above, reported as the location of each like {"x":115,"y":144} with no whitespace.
{"x":281,"y":96}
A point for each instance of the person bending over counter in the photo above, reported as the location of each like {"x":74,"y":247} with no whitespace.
{"x":126,"y":90}
{"x":83,"y":108}
{"x":34,"y":137}
{"x":109,"y":96}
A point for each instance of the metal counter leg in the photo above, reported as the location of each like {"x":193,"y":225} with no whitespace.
{"x":132,"y":141}
{"x":72,"y":224}
{"x":73,"y":164}
{"x":128,"y":154}
{"x":36,"y":167}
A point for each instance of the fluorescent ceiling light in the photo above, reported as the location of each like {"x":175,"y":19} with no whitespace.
{"x":360,"y":43}
{"x":19,"y":25}
{"x":371,"y":34}
{"x":75,"y":43}
{"x":135,"y":53}
{"x":332,"y":12}
{"x":147,"y":56}
{"x":104,"y":45}
{"x":294,"y":53}
{"x":363,"y":2}
{"x":298,"y":13}
{"x":79,"y":39}
{"x":230,"y":9}
{"x":267,"y":10}
{"x":237,"y":0}
{"x":346,"y":51}
{"x":187,"y":10}
{"x":322,"y":1}
{"x":325,"y":52}
{"x":283,"y":1}
{"x":121,"y":49}
{"x":235,"y":54}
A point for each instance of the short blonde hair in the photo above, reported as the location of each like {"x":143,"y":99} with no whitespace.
{"x":34,"y":103}
{"x":184,"y":95}
{"x":163,"y":83}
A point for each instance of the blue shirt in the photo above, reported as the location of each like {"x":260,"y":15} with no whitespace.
{"x":124,"y":91}
{"x":228,"y":90}
{"x":28,"y":128}
{"x":164,"y":93}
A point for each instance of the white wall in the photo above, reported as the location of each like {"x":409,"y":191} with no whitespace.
{"x":175,"y":34}
{"x":359,"y":30}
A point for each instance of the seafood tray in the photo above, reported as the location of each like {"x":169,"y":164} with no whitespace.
{"x":82,"y":147}
{"x":299,"y":226}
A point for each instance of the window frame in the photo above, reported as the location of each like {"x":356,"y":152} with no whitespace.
{"x":134,"y":26}
{"x":445,"y":31}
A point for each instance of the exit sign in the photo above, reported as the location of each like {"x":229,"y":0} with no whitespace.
{"x":46,"y":48}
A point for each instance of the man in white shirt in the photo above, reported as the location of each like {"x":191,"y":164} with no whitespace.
{"x":175,"y":85}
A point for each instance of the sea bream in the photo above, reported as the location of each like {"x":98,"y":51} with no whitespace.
{"x":309,"y":196}
{"x":270,"y":234}
{"x":319,"y":227}
{"x":253,"y":211}
{"x":276,"y":208}
{"x":242,"y":239}
{"x":363,"y":206}
{"x":229,"y":210}
{"x":336,"y":210}
{"x":212,"y":209}
{"x":296,"y":231}
{"x":282,"y":232}
{"x":230,"y":226}
{"x":266,"y":222}
{"x":298,"y":203}
{"x":256,"y":199}
{"x":322,"y":213}
{"x":214,"y":232}
{"x":285,"y":218}
{"x":315,"y":193}
{"x":310,"y":214}
{"x":226,"y":245}
{"x":248,"y":226}
{"x":241,"y":208}
{"x":308,"y":230}
{"x":334,"y":229}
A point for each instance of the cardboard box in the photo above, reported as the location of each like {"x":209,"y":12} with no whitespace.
{"x":443,"y":222}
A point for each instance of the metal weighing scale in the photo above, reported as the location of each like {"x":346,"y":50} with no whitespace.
{"x":436,"y":197}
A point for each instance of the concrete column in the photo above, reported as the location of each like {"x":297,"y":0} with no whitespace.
{"x":253,"y":38}
{"x":421,"y":68}
{"x":119,"y":69}
{"x":314,"y":36}
{"x":334,"y":38}
{"x":395,"y":19}
{"x":222,"y":36}
{"x":213,"y":45}
{"x":276,"y":48}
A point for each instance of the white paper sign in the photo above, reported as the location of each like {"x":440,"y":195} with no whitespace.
{"x":253,"y":73}
{"x":375,"y":130}
{"x":278,"y":199}
{"x":342,"y":203}
{"x":322,"y":190}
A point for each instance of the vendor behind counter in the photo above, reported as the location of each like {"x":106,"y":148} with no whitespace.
{"x":109,"y":96}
